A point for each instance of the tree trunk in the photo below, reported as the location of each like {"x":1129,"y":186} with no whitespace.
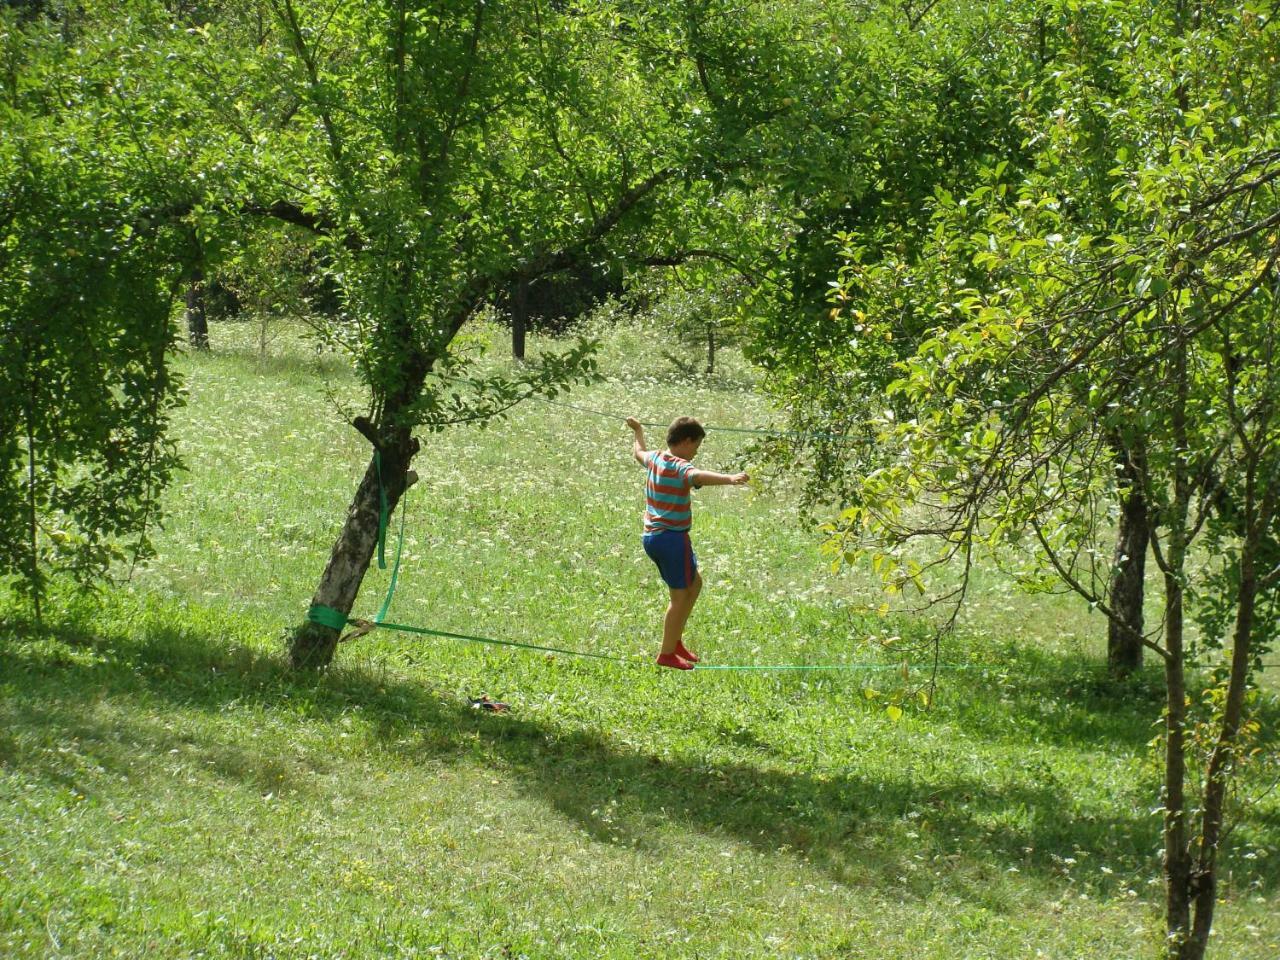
{"x":1221,"y":764}
{"x":711,"y":349}
{"x":1205,"y":877}
{"x":1177,"y":858}
{"x":1177,"y":854}
{"x":1128,"y":576}
{"x":197,"y":319}
{"x":519,"y":317}
{"x":312,"y":645}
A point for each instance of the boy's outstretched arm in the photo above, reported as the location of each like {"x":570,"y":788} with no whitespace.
{"x":637,"y":444}
{"x":708,"y":478}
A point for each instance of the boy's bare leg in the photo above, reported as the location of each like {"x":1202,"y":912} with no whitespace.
{"x":677,"y":614}
{"x":694,"y":590}
{"x":682,"y":601}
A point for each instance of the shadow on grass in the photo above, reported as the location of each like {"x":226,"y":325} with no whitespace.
{"x":1034,"y":694}
{"x":915,"y":832}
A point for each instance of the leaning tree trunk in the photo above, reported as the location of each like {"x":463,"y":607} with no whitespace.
{"x":1128,"y":576}
{"x":312,"y":645}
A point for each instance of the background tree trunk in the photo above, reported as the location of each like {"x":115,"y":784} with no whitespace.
{"x":519,"y":317}
{"x":1128,"y":577}
{"x":196,"y":315}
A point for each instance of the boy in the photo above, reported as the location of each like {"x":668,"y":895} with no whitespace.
{"x":667,"y":518}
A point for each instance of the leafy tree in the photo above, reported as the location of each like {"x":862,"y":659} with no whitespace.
{"x":891,"y":118}
{"x":440,"y":155}
{"x":85,"y":331}
{"x":1151,"y":329}
{"x":450,"y":153}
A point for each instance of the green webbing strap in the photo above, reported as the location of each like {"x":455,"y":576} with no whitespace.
{"x":395,"y":569}
{"x":503,"y":643}
{"x":382,"y":511}
{"x":329,"y":617}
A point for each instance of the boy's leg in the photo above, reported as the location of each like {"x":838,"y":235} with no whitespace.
{"x":694,"y":590}
{"x":678,"y":611}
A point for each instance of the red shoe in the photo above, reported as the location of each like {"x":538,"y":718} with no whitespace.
{"x":686,"y":654}
{"x":674,"y":660}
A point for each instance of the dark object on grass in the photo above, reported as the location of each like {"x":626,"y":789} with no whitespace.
{"x":492,"y":706}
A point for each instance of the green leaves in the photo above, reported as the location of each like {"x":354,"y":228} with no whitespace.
{"x":84,"y":383}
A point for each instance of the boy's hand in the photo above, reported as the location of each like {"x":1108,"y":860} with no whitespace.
{"x":739,"y":479}
{"x":633,"y":423}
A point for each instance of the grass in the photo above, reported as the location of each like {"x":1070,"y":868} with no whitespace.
{"x":168,"y":789}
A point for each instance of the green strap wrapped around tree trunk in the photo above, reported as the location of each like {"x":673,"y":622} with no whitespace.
{"x":327,"y":616}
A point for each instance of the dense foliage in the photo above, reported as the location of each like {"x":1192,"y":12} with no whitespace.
{"x":1100,"y":323}
{"x":86,"y":282}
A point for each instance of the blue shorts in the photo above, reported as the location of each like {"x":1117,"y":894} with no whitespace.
{"x":673,"y":553}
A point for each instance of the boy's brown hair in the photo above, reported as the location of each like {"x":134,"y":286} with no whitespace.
{"x":684,"y":428}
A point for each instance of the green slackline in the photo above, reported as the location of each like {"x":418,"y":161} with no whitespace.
{"x":383,"y":513}
{"x":329,"y":617}
{"x":395,"y":570}
{"x":337,"y":620}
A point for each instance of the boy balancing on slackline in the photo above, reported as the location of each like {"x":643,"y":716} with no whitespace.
{"x":668,"y":515}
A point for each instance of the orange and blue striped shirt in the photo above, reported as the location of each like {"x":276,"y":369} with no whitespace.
{"x":668,"y":505}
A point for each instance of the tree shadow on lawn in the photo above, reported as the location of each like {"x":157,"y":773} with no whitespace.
{"x":918,"y":832}
{"x":1032,"y":696}
{"x":1037,"y":696}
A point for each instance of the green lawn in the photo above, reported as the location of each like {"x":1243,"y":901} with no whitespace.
{"x":168,"y":789}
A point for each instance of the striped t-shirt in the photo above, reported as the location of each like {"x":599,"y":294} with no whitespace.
{"x":666,"y":492}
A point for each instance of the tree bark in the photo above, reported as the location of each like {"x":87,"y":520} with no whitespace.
{"x":1177,"y":854}
{"x":196,"y":315}
{"x":1205,"y":878}
{"x":313,"y":645}
{"x":1177,"y":858}
{"x":1128,"y":577}
{"x":1222,"y":760}
{"x":519,"y":317}
{"x":711,"y":349}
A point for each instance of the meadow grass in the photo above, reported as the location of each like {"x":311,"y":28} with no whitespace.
{"x":169,"y":789}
